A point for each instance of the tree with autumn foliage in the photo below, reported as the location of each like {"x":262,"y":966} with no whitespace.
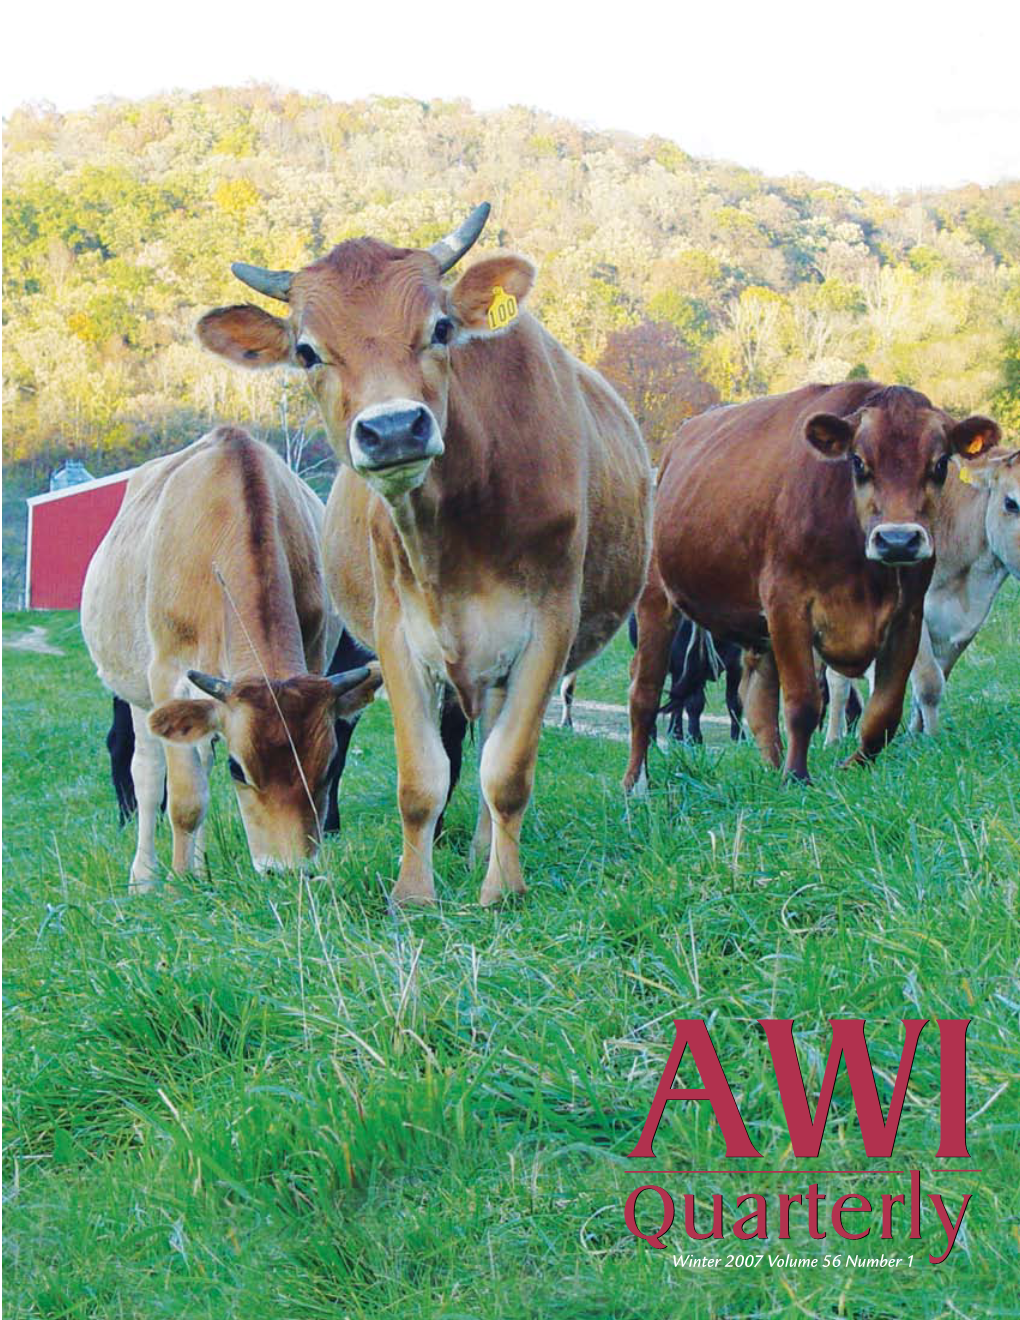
{"x":656,"y":374}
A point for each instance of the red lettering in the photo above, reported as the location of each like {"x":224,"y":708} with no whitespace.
{"x":847,"y":1042}
{"x":953,"y":1081}
{"x":693,"y":1032}
{"x":840,"y":1208}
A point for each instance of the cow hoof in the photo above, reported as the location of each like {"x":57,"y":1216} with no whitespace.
{"x":142,"y":883}
{"x":495,"y":891}
{"x":637,"y":787}
{"x":412,"y":893}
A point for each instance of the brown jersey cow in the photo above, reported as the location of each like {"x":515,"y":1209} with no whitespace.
{"x":208,"y":584}
{"x":977,"y":534}
{"x":796,"y":523}
{"x":490,"y":523}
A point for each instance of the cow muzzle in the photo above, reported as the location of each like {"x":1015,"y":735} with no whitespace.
{"x":899,"y":544}
{"x":393,"y":443}
{"x":268,"y":864}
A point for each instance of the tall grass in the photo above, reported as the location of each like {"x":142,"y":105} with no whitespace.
{"x":267,"y":1096}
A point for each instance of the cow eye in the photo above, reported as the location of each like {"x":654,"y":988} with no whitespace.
{"x":1011,"y":505}
{"x":308,"y":356}
{"x":236,"y":773}
{"x":442,"y":331}
{"x":860,"y":467}
{"x":939,"y":471}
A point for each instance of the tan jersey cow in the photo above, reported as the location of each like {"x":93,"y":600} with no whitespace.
{"x":209,"y":582}
{"x":793,"y":524}
{"x":490,"y":523}
{"x":977,"y":538}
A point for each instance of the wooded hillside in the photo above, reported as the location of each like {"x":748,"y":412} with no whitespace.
{"x":690,"y":280}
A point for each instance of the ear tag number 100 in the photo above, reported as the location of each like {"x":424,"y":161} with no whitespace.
{"x":502,"y":309}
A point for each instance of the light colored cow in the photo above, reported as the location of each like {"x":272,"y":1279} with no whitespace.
{"x":977,"y":540}
{"x":497,"y":490}
{"x":205,"y":608}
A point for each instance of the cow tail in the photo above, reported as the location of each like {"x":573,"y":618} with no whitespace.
{"x":712,"y":656}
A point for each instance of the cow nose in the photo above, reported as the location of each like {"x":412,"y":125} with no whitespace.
{"x":266,"y":864}
{"x":898,"y":544}
{"x":394,"y":437}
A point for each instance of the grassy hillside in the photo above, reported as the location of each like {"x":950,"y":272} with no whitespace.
{"x":262,"y":1096}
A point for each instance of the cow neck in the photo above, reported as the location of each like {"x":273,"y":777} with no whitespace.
{"x":427,"y":518}
{"x":270,"y":638}
{"x":416,"y":519}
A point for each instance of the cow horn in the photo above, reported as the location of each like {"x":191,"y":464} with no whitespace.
{"x":449,"y":250}
{"x":220,"y":688}
{"x":352,"y":678}
{"x":273,"y":283}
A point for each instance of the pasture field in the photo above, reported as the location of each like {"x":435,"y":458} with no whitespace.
{"x":268,"y":1097}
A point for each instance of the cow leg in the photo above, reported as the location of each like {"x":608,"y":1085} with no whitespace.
{"x":695,"y":706}
{"x":344,"y":731}
{"x":423,"y":767}
{"x":204,"y":752}
{"x":120,"y":743}
{"x":507,"y":769}
{"x":481,"y":842}
{"x":567,"y":697}
{"x":187,"y":803}
{"x":675,"y":727}
{"x":798,"y":679}
{"x":892,"y":669}
{"x":681,"y":696}
{"x":148,"y":770}
{"x":927,"y":682}
{"x":186,"y":776}
{"x":734,"y":705}
{"x":839,"y":695}
{"x":453,"y":725}
{"x":656,"y":625}
{"x":760,"y":685}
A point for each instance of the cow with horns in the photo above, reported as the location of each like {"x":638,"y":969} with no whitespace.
{"x":490,"y":524}
{"x":205,"y":609}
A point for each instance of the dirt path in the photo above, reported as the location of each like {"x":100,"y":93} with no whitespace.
{"x":599,"y":719}
{"x":33,"y":640}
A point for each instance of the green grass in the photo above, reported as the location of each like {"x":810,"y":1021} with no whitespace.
{"x":268,"y":1097}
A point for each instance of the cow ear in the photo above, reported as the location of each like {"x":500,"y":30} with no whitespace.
{"x":246,"y":335}
{"x":186,"y":720}
{"x":982,"y":472}
{"x":831,"y":436}
{"x":487,"y":297}
{"x":975,"y":435}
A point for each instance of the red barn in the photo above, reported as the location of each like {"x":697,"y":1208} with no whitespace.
{"x":64,"y":530}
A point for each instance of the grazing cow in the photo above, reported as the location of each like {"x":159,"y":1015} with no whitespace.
{"x":120,"y":741}
{"x":797,"y":523}
{"x":695,"y":660}
{"x":489,"y":526}
{"x":977,"y":532}
{"x":210,"y":581}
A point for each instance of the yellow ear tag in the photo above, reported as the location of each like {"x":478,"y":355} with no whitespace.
{"x":502,"y":309}
{"x":966,"y":476}
{"x":975,"y":445}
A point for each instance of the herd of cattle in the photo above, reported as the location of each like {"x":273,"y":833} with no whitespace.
{"x":490,"y":529}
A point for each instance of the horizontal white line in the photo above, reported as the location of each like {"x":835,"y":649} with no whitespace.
{"x":81,"y":487}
